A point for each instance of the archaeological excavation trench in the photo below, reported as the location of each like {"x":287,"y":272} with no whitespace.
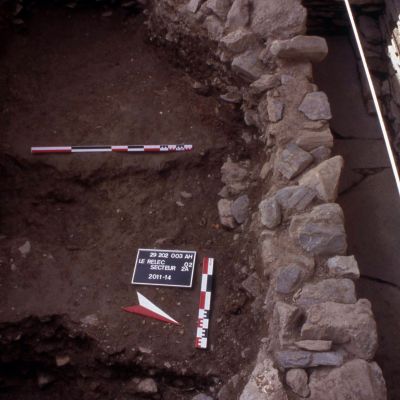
{"x":238,"y":80}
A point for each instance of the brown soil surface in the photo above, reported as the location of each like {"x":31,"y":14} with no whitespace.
{"x":75,"y":77}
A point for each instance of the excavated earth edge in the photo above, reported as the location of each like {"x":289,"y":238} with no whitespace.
{"x":321,"y":340}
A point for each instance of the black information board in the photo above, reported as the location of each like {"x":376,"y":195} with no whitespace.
{"x":164,"y":267}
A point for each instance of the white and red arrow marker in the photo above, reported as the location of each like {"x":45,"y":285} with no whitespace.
{"x":203,"y":320}
{"x":148,"y":309}
{"x":157,"y":148}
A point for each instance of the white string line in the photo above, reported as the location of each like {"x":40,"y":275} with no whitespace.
{"x":374,"y":98}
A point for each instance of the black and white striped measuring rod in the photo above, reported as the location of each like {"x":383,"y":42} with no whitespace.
{"x":158,"y":148}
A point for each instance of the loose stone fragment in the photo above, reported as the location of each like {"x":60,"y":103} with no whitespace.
{"x":225,"y":213}
{"x":25,"y":249}
{"x":288,"y":278}
{"x":194,"y":5}
{"x":337,"y":290}
{"x":315,"y":106}
{"x":238,"y":40}
{"x":238,"y":16}
{"x":324,"y":178}
{"x":320,"y":154}
{"x":44,"y":380}
{"x":219,"y":7}
{"x":314,"y":345}
{"x":309,"y":140}
{"x":297,"y":380}
{"x":264,"y":83}
{"x":248,"y":66}
{"x":269,"y":249}
{"x":270,"y":213}
{"x":301,"y":48}
{"x":233,"y":95}
{"x":293,"y":160}
{"x":240,"y":209}
{"x":344,"y":267}
{"x":294,"y":198}
{"x":252,"y":285}
{"x":351,"y":325}
{"x":147,"y":386}
{"x":234,"y":176}
{"x":214,"y":27}
{"x":321,"y":231}
{"x":61,"y":361}
{"x":356,"y":379}
{"x":288,"y":317}
{"x":305,"y":359}
{"x":264,"y":382}
{"x":275,"y":109}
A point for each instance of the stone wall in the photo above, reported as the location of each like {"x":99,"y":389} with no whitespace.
{"x":320,"y":340}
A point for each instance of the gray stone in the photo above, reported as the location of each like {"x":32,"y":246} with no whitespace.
{"x":301,"y":48}
{"x":44,"y":380}
{"x":264,"y":382}
{"x":321,"y":231}
{"x":275,"y":109}
{"x":288,"y":278}
{"x":269,"y":249}
{"x":351,"y":325}
{"x":304,"y":359}
{"x":248,"y":66}
{"x":324,"y":178}
{"x":240,"y":208}
{"x":288,"y":319}
{"x":219,"y":7}
{"x":233,"y":95}
{"x":264,"y":83}
{"x":251,"y":118}
{"x":293,"y":160}
{"x":214,"y":27}
{"x":314,"y":345}
{"x":278,"y":18}
{"x":309,"y":140}
{"x":355,"y":380}
{"x":315,"y":106}
{"x":238,"y":40}
{"x":270,"y":213}
{"x":62,"y":360}
{"x":294,"y":198}
{"x":252,"y":285}
{"x":147,"y":386}
{"x":343,"y":267}
{"x":337,"y":290}
{"x":25,"y":249}
{"x":225,"y":213}
{"x":234,"y":176}
{"x":297,"y":380}
{"x":194,"y":5}
{"x":320,"y":154}
{"x":238,"y":15}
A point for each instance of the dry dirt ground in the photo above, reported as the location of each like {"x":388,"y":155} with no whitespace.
{"x":74,"y":77}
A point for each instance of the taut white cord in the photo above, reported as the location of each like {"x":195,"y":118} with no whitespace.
{"x":375,"y":98}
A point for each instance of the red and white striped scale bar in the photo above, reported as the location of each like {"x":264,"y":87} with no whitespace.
{"x":203,"y":320}
{"x":158,"y":148}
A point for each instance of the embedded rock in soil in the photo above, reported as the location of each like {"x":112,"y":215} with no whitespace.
{"x":238,"y":15}
{"x":294,"y":198}
{"x":252,"y":285}
{"x":351,"y":325}
{"x":310,"y":140}
{"x":202,"y":396}
{"x":343,"y":267}
{"x":314,"y":345}
{"x":248,"y":66}
{"x":233,"y":95}
{"x":235,"y":176}
{"x":240,"y":209}
{"x":264,"y":83}
{"x":306,"y":359}
{"x":25,"y":249}
{"x":147,"y":386}
{"x":264,"y":382}
{"x":356,"y":379}
{"x":337,"y":290}
{"x":270,"y":213}
{"x":288,"y":319}
{"x":194,"y":5}
{"x":275,"y":109}
{"x":225,"y":213}
{"x":315,"y":106}
{"x":278,"y":18}
{"x":238,"y":40}
{"x":297,"y":380}
{"x":301,"y":48}
{"x":320,"y":154}
{"x":214,"y":27}
{"x":293,"y":160}
{"x":269,"y":249}
{"x":288,"y":279}
{"x":219,"y":7}
{"x":321,"y":231}
{"x":324,"y":178}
